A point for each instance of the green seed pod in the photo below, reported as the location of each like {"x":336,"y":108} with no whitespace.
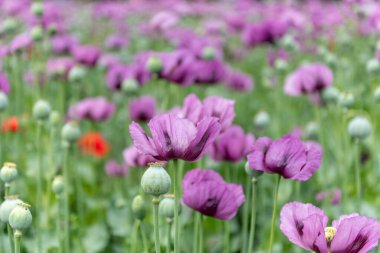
{"x":330,"y":95}
{"x":261,"y":120}
{"x":20,"y":217}
{"x":37,"y":33}
{"x":359,"y":128}
{"x":166,"y":207}
{"x":70,"y":132}
{"x":154,"y":64}
{"x":9,"y":25}
{"x":312,"y":131}
{"x":208,"y":53}
{"x":252,"y":173}
{"x":58,"y":185}
{"x":130,"y":86}
{"x":376,"y":96}
{"x":76,"y":74}
{"x":55,"y":118}
{"x":373,"y":66}
{"x":138,"y":207}
{"x":37,"y":9}
{"x":7,"y":206}
{"x":8,"y":172}
{"x":3,"y":102}
{"x":41,"y":110}
{"x":346,"y":100}
{"x":155,"y":181}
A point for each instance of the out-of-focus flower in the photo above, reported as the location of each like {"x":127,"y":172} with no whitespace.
{"x":306,"y":226}
{"x":94,"y":144}
{"x":206,"y":192}
{"x":238,"y":81}
{"x":142,"y":108}
{"x":268,"y":31}
{"x":96,"y":109}
{"x":163,"y":20}
{"x":209,"y":71}
{"x":10,"y":125}
{"x":63,"y":44}
{"x":4,"y":83}
{"x":133,"y":158}
{"x":232,"y":145}
{"x":86,"y":55}
{"x":116,"y":42}
{"x":114,"y":169}
{"x":59,"y":67}
{"x":20,"y":42}
{"x":175,"y":138}
{"x":288,"y":156}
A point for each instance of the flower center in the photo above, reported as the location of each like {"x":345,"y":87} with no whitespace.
{"x":330,"y":233}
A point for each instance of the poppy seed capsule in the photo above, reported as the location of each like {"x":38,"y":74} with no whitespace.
{"x":20,"y":217}
{"x":330,"y":95}
{"x":70,"y":132}
{"x":254,"y":174}
{"x":373,"y":66}
{"x":359,"y":128}
{"x":3,"y":102}
{"x":208,"y":53}
{"x":37,"y":33}
{"x":76,"y":74}
{"x":261,"y":120}
{"x":346,"y":100}
{"x":37,"y":9}
{"x":312,"y":131}
{"x":155,"y":181}
{"x":55,"y":118}
{"x":130,"y":86}
{"x":154,"y":64}
{"x":8,"y":172}
{"x":58,"y":185}
{"x":166,"y":207}
{"x":138,"y":207}
{"x":7,"y":206}
{"x":41,"y":110}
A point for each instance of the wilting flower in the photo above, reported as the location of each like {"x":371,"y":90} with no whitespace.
{"x":86,"y":55}
{"x":10,"y":125}
{"x":309,"y":79}
{"x":238,"y":81}
{"x":142,"y":108}
{"x":133,"y":158}
{"x":287,"y":156}
{"x":175,"y":138}
{"x":206,"y":192}
{"x":96,"y":109}
{"x":306,"y":226}
{"x":94,"y":144}
{"x":4,"y":83}
{"x":232,"y":145}
{"x":114,"y":169}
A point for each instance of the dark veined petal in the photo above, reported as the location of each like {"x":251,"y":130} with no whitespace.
{"x":256,"y":158}
{"x":314,"y":154}
{"x":142,"y":142}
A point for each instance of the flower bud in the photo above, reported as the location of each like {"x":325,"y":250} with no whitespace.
{"x":208,"y":53}
{"x":252,"y":173}
{"x":70,"y":132}
{"x":58,"y":185}
{"x":155,"y":181}
{"x":20,"y":217}
{"x":359,"y":128}
{"x":130,"y":86}
{"x":373,"y":66}
{"x":166,"y":207}
{"x":261,"y":120}
{"x":330,"y":95}
{"x":55,"y":118}
{"x":376,"y":96}
{"x":138,"y":207}
{"x":7,"y":206}
{"x":3,"y":101}
{"x":154,"y":64}
{"x":41,"y":110}
{"x":346,"y":100}
{"x":76,"y":74}
{"x":37,"y":33}
{"x":8,"y":172}
{"x":312,"y":131}
{"x":37,"y":9}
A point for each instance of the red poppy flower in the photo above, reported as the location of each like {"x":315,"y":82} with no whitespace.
{"x":93,"y":143}
{"x":10,"y":124}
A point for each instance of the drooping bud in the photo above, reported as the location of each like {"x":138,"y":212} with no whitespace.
{"x":138,"y":207}
{"x":58,"y":185}
{"x":155,"y":181}
{"x":7,"y":206}
{"x":8,"y":172}
{"x":41,"y":110}
{"x":359,"y":128}
{"x":20,"y":217}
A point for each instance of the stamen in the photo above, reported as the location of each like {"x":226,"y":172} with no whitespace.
{"x":330,"y":233}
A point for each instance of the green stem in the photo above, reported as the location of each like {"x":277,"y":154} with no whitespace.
{"x":253,"y":216}
{"x":358,"y":182}
{"x":39,"y":185}
{"x":66,"y":200}
{"x":10,"y":233}
{"x":195,"y":232}
{"x":136,"y":226}
{"x":246,"y":214}
{"x":176,"y":205}
{"x":145,"y":244}
{"x":226,"y":248}
{"x":17,"y":237}
{"x":168,"y":245}
{"x":200,"y":249}
{"x":156,"y":201}
{"x":59,"y":224}
{"x":271,"y":240}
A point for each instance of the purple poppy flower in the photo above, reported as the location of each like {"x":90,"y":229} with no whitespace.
{"x":274,"y":55}
{"x":59,"y":67}
{"x":308,"y":79}
{"x":114,"y":169}
{"x":4,"y":84}
{"x":287,"y":156}
{"x":115,"y":76}
{"x":20,"y":42}
{"x":116,"y":42}
{"x":86,"y":55}
{"x":63,"y":44}
{"x":336,"y":197}
{"x":106,"y":61}
{"x":163,"y":21}
{"x":232,"y":145}
{"x":209,"y":71}
{"x":175,"y":138}
{"x":238,"y":81}
{"x":268,"y":31}
{"x":142,"y":108}
{"x":96,"y":109}
{"x":321,"y":196}
{"x":177,"y":67}
{"x":133,"y":158}
{"x":206,"y":192}
{"x":306,"y":226}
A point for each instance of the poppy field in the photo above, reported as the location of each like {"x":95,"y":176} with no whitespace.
{"x":189,"y":126}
